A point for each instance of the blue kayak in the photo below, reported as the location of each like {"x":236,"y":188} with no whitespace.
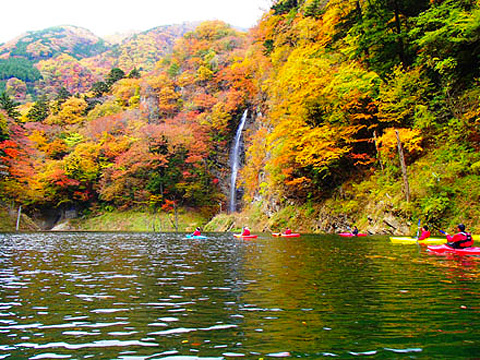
{"x":196,"y":237}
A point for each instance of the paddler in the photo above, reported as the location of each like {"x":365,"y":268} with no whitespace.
{"x":246,"y":231}
{"x":197,"y":232}
{"x":425,"y":234}
{"x":355,"y":231}
{"x":287,"y":231}
{"x":461,"y":239}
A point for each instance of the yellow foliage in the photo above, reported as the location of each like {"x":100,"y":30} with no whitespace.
{"x":204,"y":73}
{"x":411,"y":140}
{"x":82,"y":163}
{"x":256,"y":156}
{"x":71,"y":112}
{"x":125,"y":90}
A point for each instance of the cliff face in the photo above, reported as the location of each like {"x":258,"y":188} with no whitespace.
{"x":318,"y":218}
{"x":8,"y":221}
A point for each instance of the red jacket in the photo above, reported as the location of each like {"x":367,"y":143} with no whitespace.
{"x":463,"y":238}
{"x":424,"y":235}
{"x":246,"y":232}
{"x":197,"y":233}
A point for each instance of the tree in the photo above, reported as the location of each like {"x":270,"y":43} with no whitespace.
{"x":134,"y":74}
{"x":378,"y":32}
{"x":113,"y":76}
{"x":40,"y":109}
{"x":10,"y":106}
{"x":99,"y":88}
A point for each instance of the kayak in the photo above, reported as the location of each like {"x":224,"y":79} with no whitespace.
{"x":443,"y":249}
{"x":410,"y":240}
{"x":196,"y":237}
{"x":245,"y":236}
{"x":352,"y":235}
{"x":285,"y":235}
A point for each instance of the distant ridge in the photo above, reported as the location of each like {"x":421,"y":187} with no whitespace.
{"x":49,"y":57}
{"x":47,"y":43}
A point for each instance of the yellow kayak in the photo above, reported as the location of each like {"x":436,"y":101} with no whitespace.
{"x":410,"y":240}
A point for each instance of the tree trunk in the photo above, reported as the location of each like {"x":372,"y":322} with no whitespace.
{"x":404,"y":167}
{"x":401,"y":49}
{"x":378,"y":152}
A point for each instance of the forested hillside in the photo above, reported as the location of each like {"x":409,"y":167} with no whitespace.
{"x":331,"y":87}
{"x":41,"y":62}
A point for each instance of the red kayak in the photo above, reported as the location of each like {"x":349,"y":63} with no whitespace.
{"x":245,"y":236}
{"x":285,"y":235}
{"x":442,"y":249}
{"x":352,"y":235}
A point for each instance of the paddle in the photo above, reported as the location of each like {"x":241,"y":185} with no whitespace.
{"x":418,"y":234}
{"x":439,"y":230}
{"x":418,"y":228}
{"x":443,"y":232}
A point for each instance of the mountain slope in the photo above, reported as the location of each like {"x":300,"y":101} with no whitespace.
{"x":48,"y":59}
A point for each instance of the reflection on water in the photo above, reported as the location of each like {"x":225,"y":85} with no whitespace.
{"x":158,"y":296}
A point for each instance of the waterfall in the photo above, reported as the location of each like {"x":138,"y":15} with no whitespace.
{"x":235,"y":160}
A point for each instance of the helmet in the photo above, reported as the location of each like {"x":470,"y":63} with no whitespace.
{"x":461,"y":227}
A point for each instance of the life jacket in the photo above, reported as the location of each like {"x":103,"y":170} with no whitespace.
{"x":467,"y":242}
{"x":424,"y":235}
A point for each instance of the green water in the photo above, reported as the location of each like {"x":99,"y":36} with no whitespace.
{"x":158,"y":296}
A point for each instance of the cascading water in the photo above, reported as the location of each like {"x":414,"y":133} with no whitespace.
{"x":235,"y":161}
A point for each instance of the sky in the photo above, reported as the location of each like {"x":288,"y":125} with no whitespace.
{"x":107,"y":17}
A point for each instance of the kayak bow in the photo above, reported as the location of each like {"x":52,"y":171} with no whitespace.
{"x":285,"y":235}
{"x":443,"y":249}
{"x":352,"y":235}
{"x":196,"y":237}
{"x":240,"y":236}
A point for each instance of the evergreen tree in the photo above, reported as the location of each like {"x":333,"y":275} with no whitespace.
{"x":62,"y":96}
{"x":10,"y":106}
{"x":100,"y":88}
{"x":114,"y":75}
{"x":40,"y":109}
{"x":134,"y":74}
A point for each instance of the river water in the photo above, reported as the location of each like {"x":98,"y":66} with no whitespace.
{"x":159,"y":296}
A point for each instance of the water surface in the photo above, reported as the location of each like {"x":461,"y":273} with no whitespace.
{"x":159,"y":296}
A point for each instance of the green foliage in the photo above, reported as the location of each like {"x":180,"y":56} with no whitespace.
{"x":9,"y":105}
{"x":139,"y":220}
{"x":99,"y":88}
{"x":113,"y":76}
{"x":40,"y":109}
{"x":284,"y":6}
{"x":19,"y":68}
{"x":447,"y":34}
{"x":4,"y":131}
{"x":134,"y":74}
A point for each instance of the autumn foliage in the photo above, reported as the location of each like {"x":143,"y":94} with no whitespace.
{"x":328,"y":84}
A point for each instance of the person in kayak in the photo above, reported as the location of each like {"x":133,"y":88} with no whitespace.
{"x":355,"y":231}
{"x":460,"y":240}
{"x":246,"y":231}
{"x":425,"y":234}
{"x":287,"y":231}
{"x":197,"y":232}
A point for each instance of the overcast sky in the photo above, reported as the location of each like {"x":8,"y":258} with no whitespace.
{"x":107,"y":17}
